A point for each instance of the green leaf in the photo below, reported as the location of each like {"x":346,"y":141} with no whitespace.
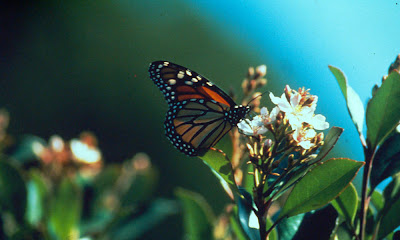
{"x":377,"y":202}
{"x":198,"y":218}
{"x":135,"y":226}
{"x":12,"y":191}
{"x":236,"y":228}
{"x":323,"y":219}
{"x":390,"y":221}
{"x":247,"y":217}
{"x":386,"y":162}
{"x":273,"y":235}
{"x":354,"y":103}
{"x":383,"y":110}
{"x":319,"y":186}
{"x":295,"y":175}
{"x":346,"y":203}
{"x":141,"y":186}
{"x":389,"y":216}
{"x":37,"y":193}
{"x":222,"y":168}
{"x":65,"y":210}
{"x":288,"y":227}
{"x":329,"y":142}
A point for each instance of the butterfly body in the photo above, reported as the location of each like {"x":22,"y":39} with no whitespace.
{"x":199,"y":113}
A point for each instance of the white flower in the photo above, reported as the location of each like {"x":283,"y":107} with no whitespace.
{"x":268,"y":117}
{"x":304,"y":136}
{"x":252,"y":127}
{"x":318,"y":122}
{"x":398,"y":128}
{"x":295,"y":113}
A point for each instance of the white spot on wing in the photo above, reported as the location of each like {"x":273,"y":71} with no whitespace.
{"x":172,"y":82}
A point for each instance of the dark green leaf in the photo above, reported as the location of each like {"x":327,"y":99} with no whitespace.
{"x":222,"y":168}
{"x":198,"y":218}
{"x":141,"y":186}
{"x":133,"y":227}
{"x":65,"y":209}
{"x":247,"y":217}
{"x":390,"y":217}
{"x":318,"y":224}
{"x":343,"y":233}
{"x":383,"y":110}
{"x":319,"y":186}
{"x":37,"y":193}
{"x":288,"y":227}
{"x":387,"y":160}
{"x":346,"y":203}
{"x":354,"y":103}
{"x":12,"y":191}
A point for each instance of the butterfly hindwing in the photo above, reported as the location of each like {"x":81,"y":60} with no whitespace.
{"x":194,"y":126}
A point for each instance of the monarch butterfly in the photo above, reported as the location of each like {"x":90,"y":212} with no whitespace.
{"x":199,"y":113}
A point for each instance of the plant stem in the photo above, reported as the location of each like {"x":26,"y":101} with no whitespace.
{"x":369,"y":157}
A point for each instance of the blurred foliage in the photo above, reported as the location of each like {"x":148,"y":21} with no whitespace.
{"x":63,"y":190}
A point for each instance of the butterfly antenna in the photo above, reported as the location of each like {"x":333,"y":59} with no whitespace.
{"x":259,"y":95}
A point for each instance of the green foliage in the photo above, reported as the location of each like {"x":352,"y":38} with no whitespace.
{"x":346,"y":203}
{"x":63,"y":220}
{"x":322,"y":184}
{"x":389,"y":215}
{"x":296,"y":174}
{"x":12,"y":191}
{"x":386,"y":162}
{"x":288,"y":227}
{"x":383,"y":110}
{"x":37,"y":193}
{"x":222,"y":168}
{"x":197,"y":215}
{"x":354,"y":103}
{"x":247,"y":217}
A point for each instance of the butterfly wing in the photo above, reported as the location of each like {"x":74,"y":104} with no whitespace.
{"x":178,"y":83}
{"x":193,"y":126}
{"x":199,"y":113}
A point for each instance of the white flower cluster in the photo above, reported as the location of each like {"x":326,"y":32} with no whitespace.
{"x":298,"y":109}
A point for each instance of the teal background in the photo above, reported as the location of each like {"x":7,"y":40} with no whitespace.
{"x":75,"y":66}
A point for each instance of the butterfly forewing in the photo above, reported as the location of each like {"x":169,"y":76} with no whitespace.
{"x":178,"y":83}
{"x":199,"y":113}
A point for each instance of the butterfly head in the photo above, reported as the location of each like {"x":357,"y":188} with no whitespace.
{"x":237,"y":113}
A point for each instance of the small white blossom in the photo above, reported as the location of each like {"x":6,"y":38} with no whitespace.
{"x":304,"y":136}
{"x":398,"y":128}
{"x":268,"y":117}
{"x":318,"y":122}
{"x":295,"y":113}
{"x":252,"y":127}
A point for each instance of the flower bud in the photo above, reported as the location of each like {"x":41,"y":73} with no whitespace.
{"x":261,"y":82}
{"x":320,"y":137}
{"x":291,"y":161}
{"x":268,"y":143}
{"x":288,"y":92}
{"x":250,"y":72}
{"x":261,"y":70}
{"x":275,"y":164}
